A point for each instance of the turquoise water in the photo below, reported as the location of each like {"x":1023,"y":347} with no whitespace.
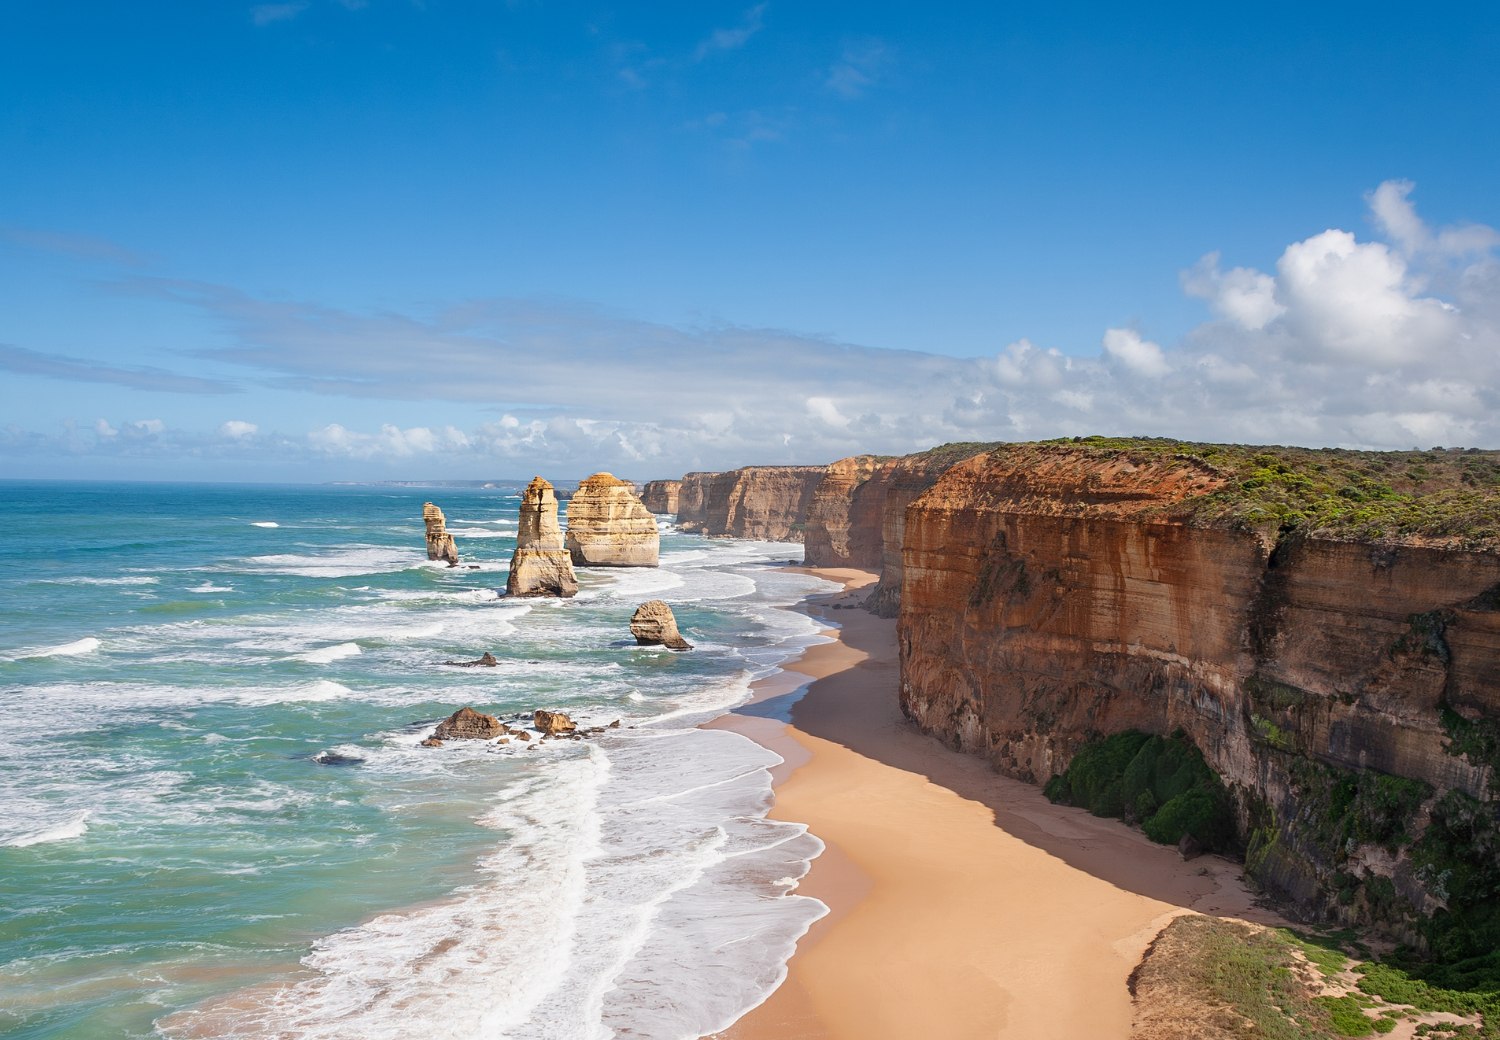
{"x":215,"y":818}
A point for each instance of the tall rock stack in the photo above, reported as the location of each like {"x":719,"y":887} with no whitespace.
{"x":540,"y":566}
{"x":439,"y":542}
{"x":609,"y":527}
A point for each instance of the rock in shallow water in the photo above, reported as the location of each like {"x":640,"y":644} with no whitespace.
{"x":468,"y":724}
{"x":653,"y":624}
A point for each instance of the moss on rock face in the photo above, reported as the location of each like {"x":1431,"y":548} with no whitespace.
{"x":1160,"y":783}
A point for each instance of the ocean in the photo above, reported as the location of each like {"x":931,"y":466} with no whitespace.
{"x":216,"y":819}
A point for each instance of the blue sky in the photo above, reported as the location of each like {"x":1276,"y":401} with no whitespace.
{"x":337,"y":239}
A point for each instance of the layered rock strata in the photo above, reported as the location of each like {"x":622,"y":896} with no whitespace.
{"x":439,"y":542}
{"x":1051,"y":596}
{"x":609,"y":527}
{"x":858,"y":514}
{"x":766,"y":503}
{"x":541,"y":565}
{"x":660,"y":496}
{"x":654,"y":624}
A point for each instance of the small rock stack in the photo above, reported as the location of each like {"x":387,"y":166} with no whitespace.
{"x":439,"y":542}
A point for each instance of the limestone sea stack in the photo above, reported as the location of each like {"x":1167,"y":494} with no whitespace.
{"x":540,"y":566}
{"x":609,"y":527}
{"x":439,"y":542}
{"x":654,"y":625}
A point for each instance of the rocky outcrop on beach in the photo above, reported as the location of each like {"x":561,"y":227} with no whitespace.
{"x":1053,"y":594}
{"x":552,"y":723}
{"x":660,"y":496}
{"x":609,"y":527}
{"x":439,"y":542}
{"x":767,"y":503}
{"x":541,"y":565}
{"x":468,"y":724}
{"x":654,"y":624}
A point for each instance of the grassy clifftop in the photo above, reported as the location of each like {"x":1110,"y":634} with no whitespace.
{"x":1448,"y":496}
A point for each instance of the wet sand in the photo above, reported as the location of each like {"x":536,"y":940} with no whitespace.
{"x":962,"y":904}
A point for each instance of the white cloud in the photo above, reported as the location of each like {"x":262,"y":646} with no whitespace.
{"x":1135,"y":354}
{"x":824,"y":410}
{"x":237,"y":428}
{"x":1243,"y":295}
{"x":1353,"y":301}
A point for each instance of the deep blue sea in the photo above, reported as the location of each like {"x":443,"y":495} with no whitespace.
{"x":216,"y":821}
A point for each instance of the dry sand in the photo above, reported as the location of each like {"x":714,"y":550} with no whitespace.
{"x":963,"y":904}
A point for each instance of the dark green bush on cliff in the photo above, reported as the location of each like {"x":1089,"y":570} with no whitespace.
{"x":1160,"y":783}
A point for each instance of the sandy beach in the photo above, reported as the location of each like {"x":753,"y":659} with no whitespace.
{"x":962,"y":904}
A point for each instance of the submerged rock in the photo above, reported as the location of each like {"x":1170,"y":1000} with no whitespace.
{"x":540,"y":566}
{"x":552,"y":723}
{"x":487,"y":661}
{"x":654,"y":625}
{"x":468,"y":724}
{"x":609,"y":527}
{"x":439,"y":542}
{"x":432,"y":742}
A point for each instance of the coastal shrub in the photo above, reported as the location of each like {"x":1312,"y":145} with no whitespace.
{"x":1160,"y":783}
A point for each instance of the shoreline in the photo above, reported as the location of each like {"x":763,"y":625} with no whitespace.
{"x":961,"y":903}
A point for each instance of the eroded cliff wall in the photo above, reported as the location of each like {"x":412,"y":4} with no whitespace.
{"x":660,"y":496}
{"x":1049,"y":597}
{"x":767,"y":503}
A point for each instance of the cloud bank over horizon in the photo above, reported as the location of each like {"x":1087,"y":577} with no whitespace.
{"x":1392,"y":342}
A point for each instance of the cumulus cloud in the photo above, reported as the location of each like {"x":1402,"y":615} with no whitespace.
{"x":1129,"y":351}
{"x":238,"y":428}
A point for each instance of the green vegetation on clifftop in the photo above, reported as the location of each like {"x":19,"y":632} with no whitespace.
{"x":1448,"y":495}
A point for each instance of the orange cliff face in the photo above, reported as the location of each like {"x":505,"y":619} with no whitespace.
{"x":768,"y":503}
{"x":660,"y":496}
{"x":858,"y":516}
{"x":1048,"y":598}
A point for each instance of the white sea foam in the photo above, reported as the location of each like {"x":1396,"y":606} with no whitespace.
{"x":264,"y":523}
{"x":339,"y":563}
{"x":133,"y":579}
{"x":329,"y":654}
{"x":74,"y":827}
{"x":209,"y":586}
{"x":86,"y":645}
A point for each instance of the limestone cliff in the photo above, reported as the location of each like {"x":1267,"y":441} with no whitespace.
{"x":1051,"y":594}
{"x":858,"y":514}
{"x":768,"y":503}
{"x":439,"y":542}
{"x":660,"y":496}
{"x":540,"y":566}
{"x":609,"y":527}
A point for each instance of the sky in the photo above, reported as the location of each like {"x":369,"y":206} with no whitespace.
{"x":428,"y":239}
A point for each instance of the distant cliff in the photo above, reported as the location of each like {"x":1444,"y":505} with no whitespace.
{"x":768,"y":503}
{"x":660,"y":496}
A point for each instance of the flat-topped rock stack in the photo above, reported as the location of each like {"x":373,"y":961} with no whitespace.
{"x":540,"y":566}
{"x":609,"y":527}
{"x":439,"y":542}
